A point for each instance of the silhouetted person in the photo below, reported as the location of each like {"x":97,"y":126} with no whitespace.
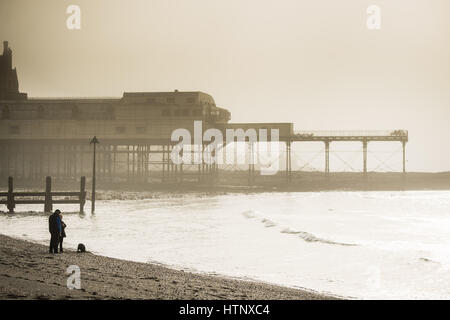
{"x":63,"y":233}
{"x":54,"y":226}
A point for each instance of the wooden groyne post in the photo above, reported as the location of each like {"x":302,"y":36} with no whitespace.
{"x":10,"y":198}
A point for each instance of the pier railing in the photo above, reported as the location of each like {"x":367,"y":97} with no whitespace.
{"x":46,"y":197}
{"x":368,"y":135}
{"x":352,"y":133}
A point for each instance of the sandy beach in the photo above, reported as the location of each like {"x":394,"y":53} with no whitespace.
{"x":28,"y":271}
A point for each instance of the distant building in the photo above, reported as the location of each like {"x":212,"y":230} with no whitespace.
{"x":9,"y":84}
{"x":150,"y":115}
{"x":50,"y":136}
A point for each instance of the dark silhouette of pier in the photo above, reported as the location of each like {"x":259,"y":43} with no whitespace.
{"x":42,"y":137}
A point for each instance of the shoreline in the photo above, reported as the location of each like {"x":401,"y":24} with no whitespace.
{"x":28,"y":271}
{"x":237,"y":183}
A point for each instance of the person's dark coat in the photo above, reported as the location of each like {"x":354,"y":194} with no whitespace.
{"x":54,"y":224}
{"x":54,"y":227}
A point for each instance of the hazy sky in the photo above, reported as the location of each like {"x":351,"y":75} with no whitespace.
{"x":314,"y":63}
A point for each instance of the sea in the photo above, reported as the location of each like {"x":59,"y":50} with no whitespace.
{"x":357,"y":245}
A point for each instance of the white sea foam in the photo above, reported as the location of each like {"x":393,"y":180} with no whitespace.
{"x":308,"y":237}
{"x":312,"y":238}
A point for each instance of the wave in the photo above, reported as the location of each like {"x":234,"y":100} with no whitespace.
{"x":306,"y":236}
{"x":268,"y":223}
{"x":309,"y":237}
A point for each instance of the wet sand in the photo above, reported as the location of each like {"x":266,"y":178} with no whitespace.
{"x":28,"y":271}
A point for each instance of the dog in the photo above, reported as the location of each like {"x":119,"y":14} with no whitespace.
{"x":81,"y":248}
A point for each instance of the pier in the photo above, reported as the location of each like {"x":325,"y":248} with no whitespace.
{"x":42,"y":137}
{"x":327,"y":137}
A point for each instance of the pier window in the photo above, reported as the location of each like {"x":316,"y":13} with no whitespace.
{"x":75,"y":112}
{"x":110,"y":114}
{"x":14,"y":130}
{"x":40,"y":112}
{"x":197,"y":112}
{"x":141,"y":130}
{"x":121,"y":130}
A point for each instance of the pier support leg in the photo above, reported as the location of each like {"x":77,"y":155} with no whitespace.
{"x":41,"y":162}
{"x":163,"y":163}
{"x":128,"y":163}
{"x":74,"y":160}
{"x":10,"y":201}
{"x":139,"y":162}
{"x":114,"y":161}
{"x":203,"y":163}
{"x":48,"y":205}
{"x":93,"y":178}
{"x":82,"y":193}
{"x":58,"y":160}
{"x":1,"y":160}
{"x":15,"y":162}
{"x":170,"y":165}
{"x":133,"y":164}
{"x":251,"y":163}
{"x":81,"y":159}
{"x":198,"y":157}
{"x":404,"y":156}
{"x":180,"y":179}
{"x":64,"y":163}
{"x":146,"y":158}
{"x":365,"y":157}
{"x":7,"y":156}
{"x":215,"y":166}
{"x":23,"y":162}
{"x":109,"y":167}
{"x":288,"y":162}
{"x":2,"y":153}
{"x":327,"y":157}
